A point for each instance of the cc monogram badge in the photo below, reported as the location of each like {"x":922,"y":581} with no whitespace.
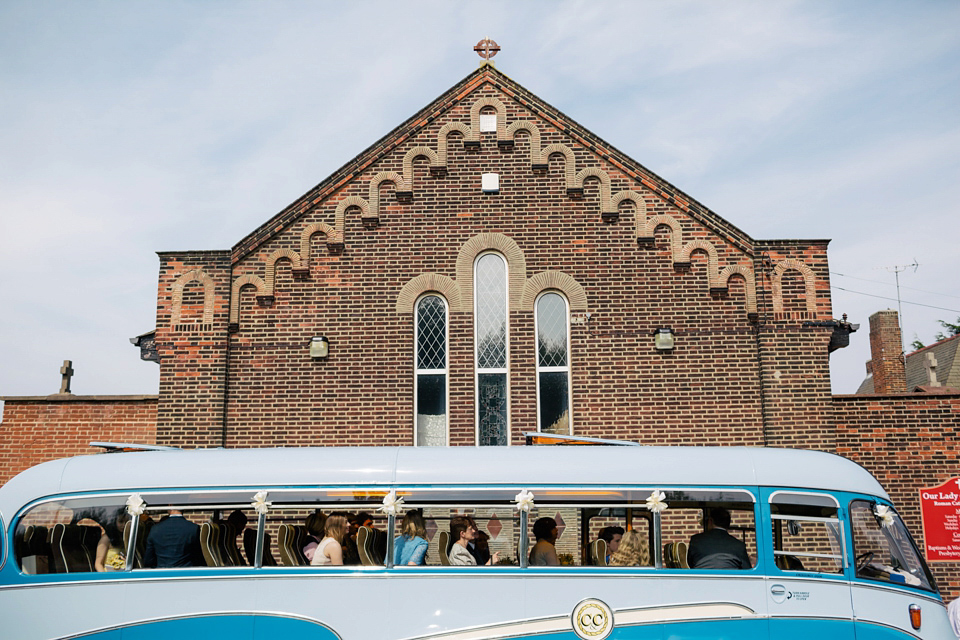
{"x":592,"y":619}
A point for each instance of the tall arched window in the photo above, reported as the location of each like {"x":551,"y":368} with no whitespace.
{"x":553,"y":364}
{"x":431,"y":371}
{"x":490,"y":339}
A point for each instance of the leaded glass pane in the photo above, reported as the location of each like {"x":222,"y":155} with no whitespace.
{"x":492,"y":408}
{"x":491,"y":312}
{"x":554,"y":403}
{"x":552,"y":330}
{"x":432,"y":410}
{"x":431,"y":333}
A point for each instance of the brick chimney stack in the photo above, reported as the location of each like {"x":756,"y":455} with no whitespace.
{"x":886,"y":351}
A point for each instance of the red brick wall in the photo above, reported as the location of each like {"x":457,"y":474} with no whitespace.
{"x":907,"y":441}
{"x":36,"y":430}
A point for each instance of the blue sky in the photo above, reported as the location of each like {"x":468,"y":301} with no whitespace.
{"x":133,"y":127}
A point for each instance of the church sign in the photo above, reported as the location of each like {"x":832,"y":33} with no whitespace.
{"x":940,"y":512}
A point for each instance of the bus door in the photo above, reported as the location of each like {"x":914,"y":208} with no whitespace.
{"x":807,"y":591}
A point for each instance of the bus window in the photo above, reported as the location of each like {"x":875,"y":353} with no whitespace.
{"x":606,"y":529}
{"x":704,"y":529}
{"x":883,"y":549}
{"x":496,"y":530}
{"x":296,"y":532}
{"x":72,"y":536}
{"x":807,"y":533}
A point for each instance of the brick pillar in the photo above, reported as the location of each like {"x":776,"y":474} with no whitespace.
{"x":886,"y":351}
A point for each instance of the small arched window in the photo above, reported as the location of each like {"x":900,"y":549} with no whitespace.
{"x":490,"y":337}
{"x":431,"y":372}
{"x":553,"y":364}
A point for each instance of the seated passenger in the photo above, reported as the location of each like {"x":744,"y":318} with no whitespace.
{"x":410,"y":548}
{"x":238,"y":524}
{"x":544,"y":553}
{"x":314,"y":525}
{"x":111,"y":556}
{"x":715,"y":548}
{"x":173,"y":542}
{"x":330,"y":551}
{"x":612,"y":536}
{"x":350,"y":552}
{"x":631,"y":552}
{"x":479,"y":547}
{"x":463,"y":531}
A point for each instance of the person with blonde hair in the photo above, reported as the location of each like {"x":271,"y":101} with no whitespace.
{"x":632,"y":551}
{"x":410,"y":548}
{"x":329,"y":550}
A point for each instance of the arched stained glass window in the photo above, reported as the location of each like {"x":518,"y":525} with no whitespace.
{"x":490,"y":322}
{"x":553,"y":364}
{"x":431,"y":372}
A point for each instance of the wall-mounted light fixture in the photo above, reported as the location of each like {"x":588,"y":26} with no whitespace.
{"x":319,"y":347}
{"x":663,"y":339}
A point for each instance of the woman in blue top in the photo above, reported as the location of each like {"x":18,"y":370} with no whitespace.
{"x":410,"y":548}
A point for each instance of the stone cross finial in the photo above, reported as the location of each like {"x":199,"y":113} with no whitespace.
{"x":931,"y":366}
{"x":66,"y":371}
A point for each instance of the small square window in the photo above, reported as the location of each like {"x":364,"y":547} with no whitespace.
{"x":490,"y":183}
{"x":488,"y":122}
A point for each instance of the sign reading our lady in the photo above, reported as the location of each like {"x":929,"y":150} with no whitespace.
{"x":940,"y":511}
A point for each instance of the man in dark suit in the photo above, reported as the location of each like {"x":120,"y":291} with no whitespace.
{"x":173,"y":542}
{"x":715,"y":548}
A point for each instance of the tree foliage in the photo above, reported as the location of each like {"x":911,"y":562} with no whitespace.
{"x":953,"y":328}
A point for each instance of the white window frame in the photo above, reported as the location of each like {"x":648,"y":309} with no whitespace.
{"x":568,"y":369}
{"x":417,"y":372}
{"x":476,"y":344}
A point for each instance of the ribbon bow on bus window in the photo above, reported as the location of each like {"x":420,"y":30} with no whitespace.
{"x":883,"y":514}
{"x":391,"y":504}
{"x":655,"y":503}
{"x":524,"y":501}
{"x":135,"y":505}
{"x":260,"y":504}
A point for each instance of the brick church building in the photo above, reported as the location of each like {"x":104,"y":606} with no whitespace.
{"x":491,"y":268}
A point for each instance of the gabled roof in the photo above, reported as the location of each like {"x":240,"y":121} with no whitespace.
{"x":423,"y":118}
{"x":918,"y":379}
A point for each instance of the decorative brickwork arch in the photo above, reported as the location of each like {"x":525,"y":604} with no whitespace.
{"x":413,"y":154}
{"x":475,"y":117}
{"x":640,"y":217}
{"x":746,"y":272}
{"x":238,"y":284}
{"x":516,"y":266}
{"x":675,"y":233}
{"x":339,"y":218}
{"x":196,"y":275}
{"x":712,"y":262}
{"x":280,"y":254}
{"x":602,"y":176}
{"x":558,"y":280}
{"x":531,"y":128}
{"x":426,"y":283}
{"x":374,"y":195}
{"x":570,"y":168}
{"x":809,"y":284}
{"x":307,"y":236}
{"x":442,"y":139}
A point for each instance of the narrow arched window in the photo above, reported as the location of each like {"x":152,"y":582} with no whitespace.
{"x":553,"y":364}
{"x":490,"y":323}
{"x":431,"y":372}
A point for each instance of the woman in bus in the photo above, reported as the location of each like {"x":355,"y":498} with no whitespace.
{"x":410,"y":548}
{"x":314,"y":525}
{"x":632,"y":552}
{"x":110,"y":552}
{"x":464,"y":531}
{"x":544,"y":553}
{"x":329,"y":550}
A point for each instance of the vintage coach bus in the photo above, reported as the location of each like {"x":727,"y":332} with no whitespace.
{"x":828,"y":555}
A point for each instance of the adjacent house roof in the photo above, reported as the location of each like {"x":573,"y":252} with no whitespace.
{"x":939,"y":359}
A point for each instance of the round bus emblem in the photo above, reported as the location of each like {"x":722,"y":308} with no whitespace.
{"x":592,"y":620}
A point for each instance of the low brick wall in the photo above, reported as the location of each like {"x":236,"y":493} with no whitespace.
{"x":908,"y":441}
{"x":40,"y":428}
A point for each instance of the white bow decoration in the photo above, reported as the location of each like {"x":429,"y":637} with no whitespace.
{"x":135,"y":505}
{"x":391,"y":504}
{"x":655,"y":503}
{"x":884,"y":515}
{"x":260,"y":504}
{"x":524,"y":501}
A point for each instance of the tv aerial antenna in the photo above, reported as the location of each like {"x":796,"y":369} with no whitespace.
{"x":897,"y":270}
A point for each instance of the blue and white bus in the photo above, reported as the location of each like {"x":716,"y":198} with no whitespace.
{"x":828,"y":555}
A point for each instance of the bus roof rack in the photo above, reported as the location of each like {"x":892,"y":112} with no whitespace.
{"x":536,"y":438}
{"x":119,"y":447}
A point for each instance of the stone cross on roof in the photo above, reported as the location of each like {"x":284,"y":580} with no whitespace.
{"x":66,"y":371}
{"x":931,"y":367}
